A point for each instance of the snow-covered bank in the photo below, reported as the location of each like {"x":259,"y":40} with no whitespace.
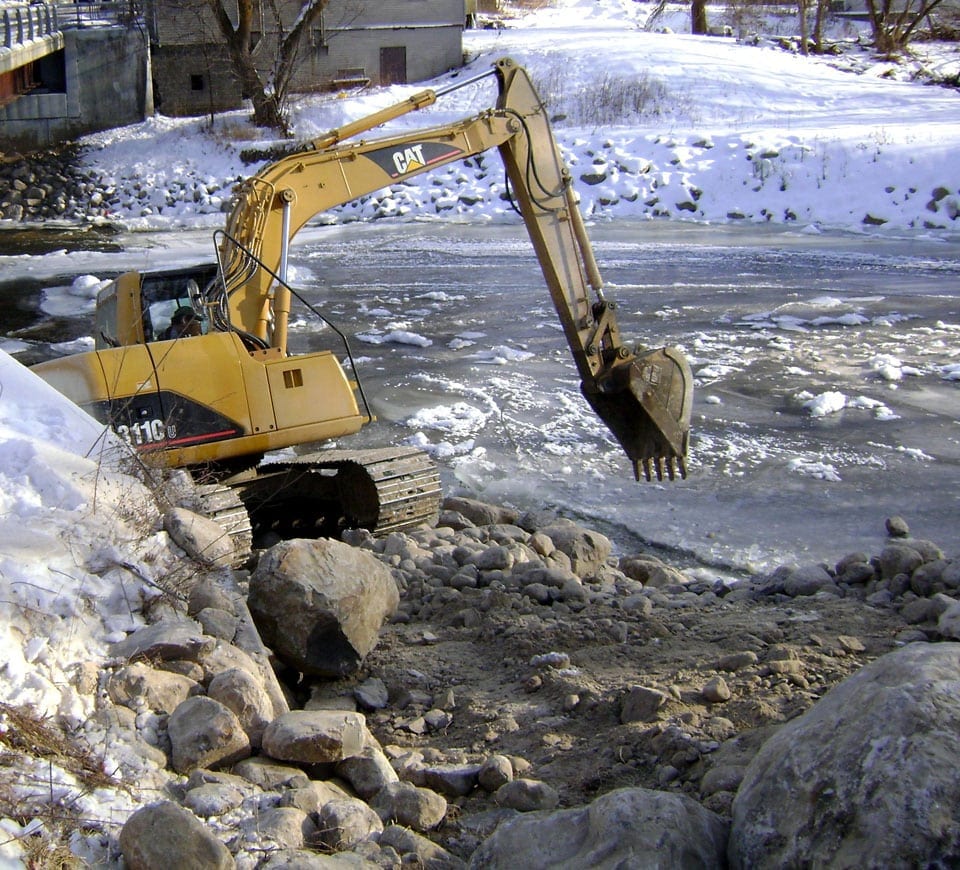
{"x":658,"y":125}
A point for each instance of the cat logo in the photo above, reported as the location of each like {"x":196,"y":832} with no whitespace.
{"x":409,"y":160}
{"x":414,"y":157}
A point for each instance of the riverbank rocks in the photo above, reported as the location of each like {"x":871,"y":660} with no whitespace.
{"x":199,"y":537}
{"x":587,"y":550}
{"x":315,"y":736}
{"x":912,"y":575}
{"x":526,"y":795}
{"x":241,"y":693}
{"x":320,"y":604}
{"x":166,"y":835}
{"x":625,"y":828}
{"x":410,"y":806}
{"x":642,"y":704}
{"x":369,"y":770}
{"x":866,"y":777}
{"x":205,"y":733}
{"x":512,"y":712}
{"x":140,"y":686}
{"x":177,"y":638}
{"x":347,"y":822}
{"x":478,"y":513}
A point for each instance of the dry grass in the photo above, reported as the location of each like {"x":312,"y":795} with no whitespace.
{"x":610,"y":99}
{"x":45,"y":855}
{"x":27,"y":737}
{"x":37,"y":737}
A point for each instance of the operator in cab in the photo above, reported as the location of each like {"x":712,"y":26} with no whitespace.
{"x":183,"y":324}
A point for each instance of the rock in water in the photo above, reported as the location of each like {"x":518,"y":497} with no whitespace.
{"x":867,"y":777}
{"x":320,"y":604}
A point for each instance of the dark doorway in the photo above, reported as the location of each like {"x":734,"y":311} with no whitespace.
{"x":393,"y":65}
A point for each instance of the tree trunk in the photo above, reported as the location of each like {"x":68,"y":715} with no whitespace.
{"x":267,"y":113}
{"x":818,"y":26}
{"x":266,"y":107}
{"x":802,"y":9}
{"x":698,"y":16}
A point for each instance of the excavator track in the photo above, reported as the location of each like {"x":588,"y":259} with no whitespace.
{"x":223,"y":504}
{"x":321,"y":494}
{"x":220,"y":503}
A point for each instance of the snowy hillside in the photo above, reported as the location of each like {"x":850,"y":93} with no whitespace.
{"x":655,"y":125}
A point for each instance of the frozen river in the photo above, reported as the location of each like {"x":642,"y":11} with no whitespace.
{"x":827,"y":369}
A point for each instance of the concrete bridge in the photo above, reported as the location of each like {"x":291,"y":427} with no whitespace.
{"x":70,"y":68}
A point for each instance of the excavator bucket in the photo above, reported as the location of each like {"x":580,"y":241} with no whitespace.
{"x":646,"y":405}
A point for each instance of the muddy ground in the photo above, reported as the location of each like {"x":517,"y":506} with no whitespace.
{"x":546,"y":686}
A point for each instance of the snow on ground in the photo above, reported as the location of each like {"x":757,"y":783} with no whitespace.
{"x":728,"y":132}
{"x":78,"y":552}
{"x":659,"y":125}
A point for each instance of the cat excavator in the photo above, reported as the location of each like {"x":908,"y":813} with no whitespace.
{"x":217,"y":397}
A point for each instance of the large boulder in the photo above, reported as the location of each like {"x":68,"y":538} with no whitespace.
{"x":166,"y":835}
{"x":205,"y":733}
{"x":867,"y":777}
{"x":320,"y":604}
{"x":631,"y":827}
{"x":315,"y":736}
{"x":588,"y":550}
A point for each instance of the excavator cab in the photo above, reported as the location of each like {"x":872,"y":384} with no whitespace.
{"x":138,"y":307}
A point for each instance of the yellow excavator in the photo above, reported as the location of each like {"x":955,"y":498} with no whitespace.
{"x":192,"y":367}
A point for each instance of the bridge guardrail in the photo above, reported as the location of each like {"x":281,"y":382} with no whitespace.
{"x":22,"y":24}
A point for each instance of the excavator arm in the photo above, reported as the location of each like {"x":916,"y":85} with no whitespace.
{"x":644,"y":398}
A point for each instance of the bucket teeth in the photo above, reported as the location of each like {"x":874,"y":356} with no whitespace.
{"x":674,"y":465}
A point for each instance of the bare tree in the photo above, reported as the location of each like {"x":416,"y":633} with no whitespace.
{"x":266,"y":86}
{"x":698,"y":16}
{"x":823,"y":7}
{"x":893,"y":23}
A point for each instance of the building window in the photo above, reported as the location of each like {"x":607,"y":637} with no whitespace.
{"x":196,"y":83}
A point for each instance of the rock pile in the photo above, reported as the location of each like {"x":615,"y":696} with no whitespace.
{"x":261,"y":772}
{"x":652,"y":176}
{"x":45,"y":186}
{"x":53,"y":185}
